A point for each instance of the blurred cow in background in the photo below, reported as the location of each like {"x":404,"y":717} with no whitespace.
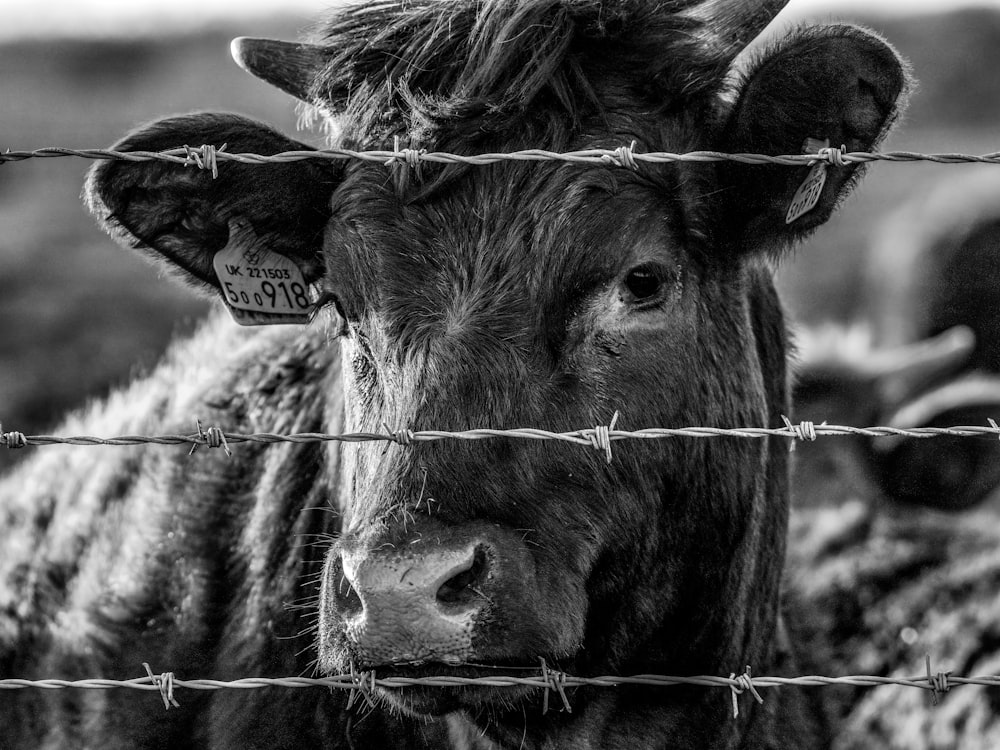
{"x":844,"y":378}
{"x":886,"y":577}
{"x":928,"y":355}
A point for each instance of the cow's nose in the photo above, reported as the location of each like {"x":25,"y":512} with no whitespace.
{"x":413,"y":604}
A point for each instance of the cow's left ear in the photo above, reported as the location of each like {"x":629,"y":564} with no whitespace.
{"x":838,"y":84}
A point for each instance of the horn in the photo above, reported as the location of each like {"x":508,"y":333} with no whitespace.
{"x":970,"y":391}
{"x":955,"y":343}
{"x":906,"y":369}
{"x":290,"y":66}
{"x":734,"y":24}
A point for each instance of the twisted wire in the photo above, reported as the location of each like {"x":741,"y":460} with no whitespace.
{"x":736,"y":683}
{"x":600,"y":437}
{"x":209,"y":157}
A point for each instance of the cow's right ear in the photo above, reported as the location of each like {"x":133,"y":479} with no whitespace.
{"x":182,"y":215}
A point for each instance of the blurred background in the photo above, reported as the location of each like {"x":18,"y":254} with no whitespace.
{"x":79,"y":315}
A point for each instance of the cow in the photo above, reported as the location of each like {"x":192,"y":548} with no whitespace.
{"x":947,"y":239}
{"x":843,"y":378}
{"x":448,"y":297}
{"x":892,"y":543}
{"x":925,"y":355}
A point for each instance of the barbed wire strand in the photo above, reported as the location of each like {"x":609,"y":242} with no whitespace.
{"x":210,"y":157}
{"x":937,"y":684}
{"x":596,"y":437}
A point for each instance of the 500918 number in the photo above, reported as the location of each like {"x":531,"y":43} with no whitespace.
{"x":281,"y":296}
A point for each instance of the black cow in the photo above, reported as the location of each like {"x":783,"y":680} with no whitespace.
{"x":843,"y":378}
{"x":926,"y":355}
{"x":934,"y":266}
{"x":885,"y":569}
{"x":539,"y":294}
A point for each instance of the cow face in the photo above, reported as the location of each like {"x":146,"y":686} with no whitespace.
{"x":537,"y":295}
{"x":543,"y":313}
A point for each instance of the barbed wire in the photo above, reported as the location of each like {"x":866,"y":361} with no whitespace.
{"x":938,"y":683}
{"x":349,"y":682}
{"x":599,"y":437}
{"x":208,"y":156}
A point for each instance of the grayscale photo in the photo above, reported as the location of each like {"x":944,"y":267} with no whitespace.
{"x":500,"y":374}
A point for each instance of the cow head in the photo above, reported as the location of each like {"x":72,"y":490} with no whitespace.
{"x":844,"y":379}
{"x":542,"y":295}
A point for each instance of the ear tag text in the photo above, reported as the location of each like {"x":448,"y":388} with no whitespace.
{"x":809,"y":192}
{"x":260,"y":286}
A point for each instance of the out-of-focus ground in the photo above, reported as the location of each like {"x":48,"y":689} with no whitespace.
{"x":79,"y":315}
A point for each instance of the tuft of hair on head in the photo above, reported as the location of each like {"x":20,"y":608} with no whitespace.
{"x":407,"y":68}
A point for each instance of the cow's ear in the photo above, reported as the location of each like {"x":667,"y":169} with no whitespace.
{"x":835,"y":84}
{"x":182,"y":215}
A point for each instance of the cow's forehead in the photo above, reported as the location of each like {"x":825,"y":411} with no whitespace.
{"x":502,"y":251}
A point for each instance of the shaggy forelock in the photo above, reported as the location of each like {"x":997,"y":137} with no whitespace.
{"x":409,"y":68}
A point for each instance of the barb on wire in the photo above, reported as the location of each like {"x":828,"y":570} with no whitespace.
{"x":403,"y":436}
{"x":205,"y":157}
{"x":409,"y":157}
{"x":801,"y":432}
{"x":938,"y":682}
{"x":362,"y":685}
{"x":833,"y":156}
{"x":554,"y":680}
{"x":214,"y":437}
{"x":599,"y":437}
{"x":13,"y":440}
{"x":165,"y":684}
{"x":623,"y":156}
{"x":740,"y":684}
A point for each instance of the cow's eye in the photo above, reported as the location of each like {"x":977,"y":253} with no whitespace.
{"x":643,"y":282}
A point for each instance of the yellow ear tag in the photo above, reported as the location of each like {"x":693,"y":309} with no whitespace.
{"x":807,"y":196}
{"x":260,"y":286}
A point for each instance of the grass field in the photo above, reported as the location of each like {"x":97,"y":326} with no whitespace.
{"x":78,"y":314}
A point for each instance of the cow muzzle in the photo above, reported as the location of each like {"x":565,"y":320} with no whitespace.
{"x":411,"y":605}
{"x":436,"y":599}
{"x":423,"y":596}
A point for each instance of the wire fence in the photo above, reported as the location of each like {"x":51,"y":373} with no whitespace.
{"x":209,"y":156}
{"x":551,"y":680}
{"x":366,"y":682}
{"x":599,"y":437}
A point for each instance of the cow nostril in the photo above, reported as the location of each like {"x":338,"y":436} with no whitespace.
{"x":348,"y":601}
{"x":464,"y":586}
